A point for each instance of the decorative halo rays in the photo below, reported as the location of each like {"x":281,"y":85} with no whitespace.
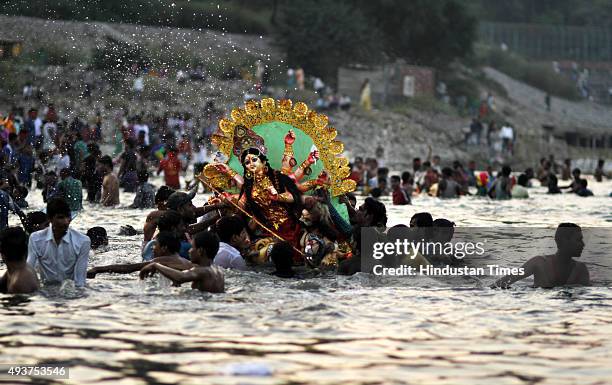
{"x":299,"y":116}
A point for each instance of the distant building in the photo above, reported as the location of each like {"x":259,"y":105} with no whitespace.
{"x":10,"y":48}
{"x":389,"y":82}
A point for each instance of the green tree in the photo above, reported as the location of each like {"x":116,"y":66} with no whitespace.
{"x":321,"y":36}
{"x":432,"y":32}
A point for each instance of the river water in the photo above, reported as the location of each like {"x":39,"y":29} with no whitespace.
{"x":323,"y":330}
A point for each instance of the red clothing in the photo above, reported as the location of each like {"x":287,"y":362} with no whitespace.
{"x":291,"y":232}
{"x":184,"y":147}
{"x":171,"y":165}
{"x":400,"y":197}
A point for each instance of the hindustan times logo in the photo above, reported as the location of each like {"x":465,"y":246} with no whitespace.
{"x":411,"y":249}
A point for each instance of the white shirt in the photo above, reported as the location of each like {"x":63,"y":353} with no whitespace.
{"x":142,"y":127}
{"x":507,"y":132}
{"x":56,"y":263}
{"x":63,"y":162}
{"x":138,"y":84}
{"x":229,"y":257}
{"x":38,"y":127}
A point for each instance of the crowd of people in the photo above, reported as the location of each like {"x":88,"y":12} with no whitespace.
{"x":193,"y":244}
{"x":454,"y":180}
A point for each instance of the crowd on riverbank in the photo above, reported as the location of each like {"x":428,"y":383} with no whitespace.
{"x":432,"y":177}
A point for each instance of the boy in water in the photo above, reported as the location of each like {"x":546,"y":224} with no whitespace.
{"x":165,"y":251}
{"x":203,"y":275}
{"x":20,"y":278}
{"x":559,"y":269}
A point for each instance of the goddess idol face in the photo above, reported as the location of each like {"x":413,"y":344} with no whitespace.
{"x":253,"y":164}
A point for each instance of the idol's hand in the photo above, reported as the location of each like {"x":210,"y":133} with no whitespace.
{"x":323,"y":179}
{"x":273,"y":193}
{"x":222,"y":167}
{"x":290,"y":137}
{"x":313,"y":156}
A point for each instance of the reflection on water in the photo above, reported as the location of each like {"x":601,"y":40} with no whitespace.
{"x":326,"y":329}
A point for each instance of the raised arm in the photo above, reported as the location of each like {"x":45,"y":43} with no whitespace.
{"x":288,"y":160}
{"x":300,"y":171}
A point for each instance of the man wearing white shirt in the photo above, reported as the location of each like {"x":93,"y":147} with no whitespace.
{"x":141,"y":127}
{"x":233,"y":236}
{"x":507,"y":136}
{"x":59,"y":252}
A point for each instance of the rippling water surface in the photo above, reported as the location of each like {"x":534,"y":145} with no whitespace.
{"x":354,"y":330}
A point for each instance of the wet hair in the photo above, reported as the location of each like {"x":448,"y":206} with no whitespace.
{"x":564,"y":229}
{"x":377,"y":210}
{"x":422,"y":220}
{"x":406,"y":176}
{"x":23,"y":190}
{"x":395,"y":178}
{"x":447,"y":172}
{"x":169,"y":220}
{"x":281,"y":182}
{"x":35,"y":218}
{"x":143,"y":175}
{"x":506,"y":170}
{"x":229,"y":226}
{"x":14,"y":244}
{"x":441,"y":222}
{"x":98,"y":236}
{"x":162,"y":194}
{"x":281,"y":255}
{"x":523,"y":180}
{"x":168,"y":240}
{"x":57,"y":206}
{"x":208,"y":241}
{"x":576,"y":171}
{"x":107,"y":161}
{"x":376,"y":192}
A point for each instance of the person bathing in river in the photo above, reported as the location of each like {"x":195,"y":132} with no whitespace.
{"x":234,"y":237}
{"x":20,"y":278}
{"x":161,"y":200}
{"x":203,"y":275}
{"x":559,"y":269}
{"x":165,"y":251}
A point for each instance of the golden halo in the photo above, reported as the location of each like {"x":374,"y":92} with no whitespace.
{"x":299,"y":116}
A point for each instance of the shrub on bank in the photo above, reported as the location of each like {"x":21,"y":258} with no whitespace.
{"x":537,"y":75}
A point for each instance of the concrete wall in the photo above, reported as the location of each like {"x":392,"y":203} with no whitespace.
{"x":386,"y":81}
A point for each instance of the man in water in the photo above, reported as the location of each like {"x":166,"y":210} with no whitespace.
{"x":110,"y":183}
{"x":59,"y":252}
{"x":203,"y":275}
{"x":20,"y":278}
{"x":165,"y":251}
{"x":234,"y":237}
{"x":559,"y":269}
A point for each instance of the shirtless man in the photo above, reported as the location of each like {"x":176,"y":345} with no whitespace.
{"x":110,"y":183}
{"x":559,"y":269}
{"x":165,"y":252}
{"x":203,"y":275}
{"x":20,"y":278}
